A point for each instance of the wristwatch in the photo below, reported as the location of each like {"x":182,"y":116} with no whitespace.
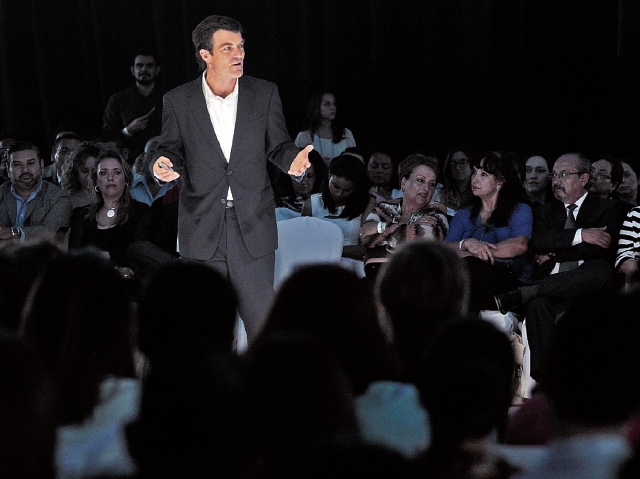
{"x":15,"y":232}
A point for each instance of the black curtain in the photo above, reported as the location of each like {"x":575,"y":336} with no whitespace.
{"x":508,"y":74}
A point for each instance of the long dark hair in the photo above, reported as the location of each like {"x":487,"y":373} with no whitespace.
{"x":352,"y":169}
{"x":313,"y":117}
{"x":499,"y":164}
{"x":70,"y":180}
{"x":282,"y":182}
{"x":79,"y":318}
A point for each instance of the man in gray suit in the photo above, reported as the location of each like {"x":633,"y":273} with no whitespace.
{"x":218,"y":131}
{"x":29,"y":206}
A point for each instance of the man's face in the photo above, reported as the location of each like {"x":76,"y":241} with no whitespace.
{"x":602,"y":184}
{"x":570,"y":188}
{"x":63,"y":150}
{"x":144,"y":69}
{"x":25,"y":170}
{"x":226,"y":58}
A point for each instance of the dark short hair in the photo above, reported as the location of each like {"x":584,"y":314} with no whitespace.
{"x":145,"y":52}
{"x":202,"y":35}
{"x":23,"y":146}
{"x":616,"y":167}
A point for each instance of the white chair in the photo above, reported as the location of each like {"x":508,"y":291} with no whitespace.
{"x":305,"y":240}
{"x":301,"y":240}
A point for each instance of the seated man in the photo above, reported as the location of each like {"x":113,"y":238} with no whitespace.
{"x":63,"y":146}
{"x":145,"y":188}
{"x":574,"y":244}
{"x":29,"y":206}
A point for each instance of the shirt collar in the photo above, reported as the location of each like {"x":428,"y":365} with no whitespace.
{"x":31,"y":196}
{"x":579,"y":202}
{"x":210,"y":95}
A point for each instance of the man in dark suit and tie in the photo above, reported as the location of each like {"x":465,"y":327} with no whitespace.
{"x":218,"y":131}
{"x":574,"y":243}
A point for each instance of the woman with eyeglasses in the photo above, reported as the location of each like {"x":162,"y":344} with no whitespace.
{"x":456,"y":179}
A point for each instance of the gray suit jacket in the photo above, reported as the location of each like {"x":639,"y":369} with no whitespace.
{"x":189,"y":141}
{"x":48,"y":214}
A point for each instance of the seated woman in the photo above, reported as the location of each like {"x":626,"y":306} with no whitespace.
{"x":393,"y":222}
{"x":537,"y":180}
{"x":324,"y":130}
{"x":456,"y":187}
{"x":383,"y":176}
{"x":343,"y":201}
{"x":76,"y":176}
{"x":114,"y":220}
{"x":79,"y":318}
{"x":494,"y":231}
{"x":290,"y":194}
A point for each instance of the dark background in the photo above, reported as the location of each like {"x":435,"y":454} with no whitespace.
{"x":517,"y":75}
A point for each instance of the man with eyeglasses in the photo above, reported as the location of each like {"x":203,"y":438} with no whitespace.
{"x":63,"y":146}
{"x":574,"y":242}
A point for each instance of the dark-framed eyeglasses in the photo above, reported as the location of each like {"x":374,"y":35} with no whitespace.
{"x":602,"y":175}
{"x":459,"y":164}
{"x":563,"y":175}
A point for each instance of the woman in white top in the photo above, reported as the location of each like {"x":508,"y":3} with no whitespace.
{"x":343,"y":200}
{"x":327,"y":134}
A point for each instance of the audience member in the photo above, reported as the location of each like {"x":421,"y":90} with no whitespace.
{"x":574,"y":251}
{"x":114,"y":220}
{"x":628,"y":189}
{"x":456,"y":179}
{"x":6,"y":140}
{"x":628,"y":254}
{"x":607,"y":176}
{"x":87,"y":344}
{"x":383,"y":176}
{"x":146,"y":189}
{"x":338,"y":310}
{"x":305,"y":400}
{"x":76,"y":176}
{"x":291,"y":193}
{"x":412,"y":216}
{"x":324,"y":129}
{"x":204,"y":321}
{"x":63,"y":147}
{"x":343,"y":200}
{"x":423,"y":286}
{"x":30,"y":207}
{"x":160,"y":247}
{"x":537,"y":181}
{"x":27,"y":412}
{"x":466,"y":383}
{"x":21,"y":264}
{"x":115,"y":141}
{"x":149,"y":149}
{"x":492,"y":235}
{"x":137,"y":111}
{"x":195,"y":419}
{"x":592,"y":378}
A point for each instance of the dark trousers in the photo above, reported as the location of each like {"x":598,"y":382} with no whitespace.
{"x":487,"y":280}
{"x":251,"y":277}
{"x":556,"y":293}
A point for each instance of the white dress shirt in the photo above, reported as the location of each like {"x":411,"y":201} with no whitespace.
{"x":222,"y":112}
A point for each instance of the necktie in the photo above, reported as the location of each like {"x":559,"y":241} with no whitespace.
{"x":569,"y":224}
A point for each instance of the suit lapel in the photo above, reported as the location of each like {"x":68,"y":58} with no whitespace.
{"x":246,"y":97}
{"x":585,"y":210}
{"x":198,"y":106}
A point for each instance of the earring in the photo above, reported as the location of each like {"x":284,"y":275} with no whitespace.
{"x":97,"y":189}
{"x":497,"y":188}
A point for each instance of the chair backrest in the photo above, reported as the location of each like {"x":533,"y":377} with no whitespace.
{"x":305,"y":240}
